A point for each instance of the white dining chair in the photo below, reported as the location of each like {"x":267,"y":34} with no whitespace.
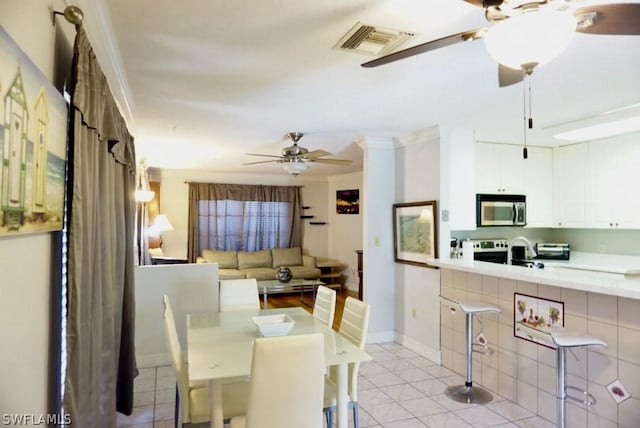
{"x":324,"y":307}
{"x":239,"y":294}
{"x":354,"y":325}
{"x":286,"y":383}
{"x":192,"y":398}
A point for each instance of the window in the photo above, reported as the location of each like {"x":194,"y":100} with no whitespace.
{"x":243,"y":225}
{"x":240,"y":217}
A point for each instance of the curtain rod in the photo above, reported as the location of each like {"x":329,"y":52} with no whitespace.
{"x":204,"y":182}
{"x":72,"y":14}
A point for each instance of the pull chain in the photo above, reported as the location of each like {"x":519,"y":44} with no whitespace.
{"x":528,"y":119}
{"x":525,"y":153}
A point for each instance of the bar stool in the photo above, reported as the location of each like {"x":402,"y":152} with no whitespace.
{"x":468,"y":393}
{"x":563,"y":339}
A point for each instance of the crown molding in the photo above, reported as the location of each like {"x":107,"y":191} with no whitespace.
{"x":422,"y":136}
{"x":97,"y":25}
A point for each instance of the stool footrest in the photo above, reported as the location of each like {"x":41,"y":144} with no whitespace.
{"x":587,"y":398}
{"x":479,"y":348}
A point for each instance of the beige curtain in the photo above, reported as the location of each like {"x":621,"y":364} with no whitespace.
{"x":242,"y":192}
{"x":100,"y":320}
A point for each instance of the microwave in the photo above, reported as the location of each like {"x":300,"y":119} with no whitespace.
{"x":501,"y":210}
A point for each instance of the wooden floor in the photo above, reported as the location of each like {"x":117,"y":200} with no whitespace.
{"x":293,"y":299}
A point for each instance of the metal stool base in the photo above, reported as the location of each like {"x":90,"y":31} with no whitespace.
{"x":468,"y":394}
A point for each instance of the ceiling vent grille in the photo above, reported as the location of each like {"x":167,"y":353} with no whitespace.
{"x":372,"y":40}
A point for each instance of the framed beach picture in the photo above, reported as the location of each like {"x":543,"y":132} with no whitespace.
{"x":33,"y":141}
{"x":415,"y":239}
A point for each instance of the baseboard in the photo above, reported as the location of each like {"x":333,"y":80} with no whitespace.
{"x":381,"y":337}
{"x":153,"y":360}
{"x":417,"y":347}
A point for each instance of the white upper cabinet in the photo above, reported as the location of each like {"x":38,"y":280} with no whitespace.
{"x":595,"y":184}
{"x":497,"y":168}
{"x":501,"y":169}
{"x":570,"y":184}
{"x":615,"y":174}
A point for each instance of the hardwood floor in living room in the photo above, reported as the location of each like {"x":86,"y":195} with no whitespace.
{"x":287,"y":300}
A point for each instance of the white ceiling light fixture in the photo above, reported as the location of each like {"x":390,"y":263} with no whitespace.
{"x":608,"y":124}
{"x":295,"y":167}
{"x":531,"y":38}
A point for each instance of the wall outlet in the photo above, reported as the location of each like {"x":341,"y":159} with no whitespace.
{"x":376,"y":241}
{"x":445,"y":215}
{"x":602,"y":248}
{"x":413,"y":313}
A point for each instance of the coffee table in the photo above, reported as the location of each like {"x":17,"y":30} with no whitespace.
{"x":274,"y":286}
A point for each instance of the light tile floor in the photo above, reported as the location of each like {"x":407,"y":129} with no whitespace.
{"x":398,"y":389}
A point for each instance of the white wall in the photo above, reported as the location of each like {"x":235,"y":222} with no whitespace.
{"x":417,"y":317}
{"x":190,"y":287}
{"x":25,"y":261}
{"x":378,"y":265}
{"x":316,"y":237}
{"x":345,"y":230}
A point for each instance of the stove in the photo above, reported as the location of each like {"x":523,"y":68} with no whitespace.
{"x":490,"y":250}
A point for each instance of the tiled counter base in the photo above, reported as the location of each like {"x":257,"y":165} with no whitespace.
{"x":525,"y":372}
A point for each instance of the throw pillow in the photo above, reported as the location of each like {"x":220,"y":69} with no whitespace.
{"x":225,"y":259}
{"x":247,"y":259}
{"x":286,"y":257}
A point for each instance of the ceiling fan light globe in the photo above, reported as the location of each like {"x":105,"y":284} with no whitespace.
{"x":295,"y":167}
{"x":535,"y":36}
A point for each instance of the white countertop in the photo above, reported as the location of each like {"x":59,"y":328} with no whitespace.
{"x":598,"y":273}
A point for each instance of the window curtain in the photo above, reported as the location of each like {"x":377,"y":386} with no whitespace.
{"x":101,"y":209}
{"x":218,"y":201}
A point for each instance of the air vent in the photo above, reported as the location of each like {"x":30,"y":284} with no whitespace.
{"x":372,"y":40}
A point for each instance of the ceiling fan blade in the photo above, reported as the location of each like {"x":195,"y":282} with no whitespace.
{"x":253,"y":163}
{"x":333,"y":161}
{"x":317,"y":154}
{"x":508,"y":76}
{"x":616,"y":19}
{"x":426,"y":47}
{"x":267,"y":156}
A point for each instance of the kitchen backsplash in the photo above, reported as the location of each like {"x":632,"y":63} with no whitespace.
{"x":585,"y":240}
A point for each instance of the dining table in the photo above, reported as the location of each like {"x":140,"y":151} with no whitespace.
{"x":220,"y":348}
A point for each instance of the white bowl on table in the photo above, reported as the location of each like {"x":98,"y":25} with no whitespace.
{"x":274,"y":325}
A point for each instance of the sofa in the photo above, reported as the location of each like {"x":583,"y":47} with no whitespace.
{"x":262,"y":264}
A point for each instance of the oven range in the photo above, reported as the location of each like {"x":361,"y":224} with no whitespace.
{"x":490,"y":250}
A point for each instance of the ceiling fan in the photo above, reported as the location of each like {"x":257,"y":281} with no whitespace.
{"x":603,"y":19}
{"x":295,"y":159}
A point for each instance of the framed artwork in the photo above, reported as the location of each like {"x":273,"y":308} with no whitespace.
{"x":415,"y":238}
{"x":348,"y":201}
{"x":536,"y":312}
{"x":33,"y":141}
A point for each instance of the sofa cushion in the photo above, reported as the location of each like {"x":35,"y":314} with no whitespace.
{"x":230,"y":274}
{"x":225,"y":259}
{"x":252,"y":259}
{"x":260,"y":273}
{"x":305,"y":272}
{"x":286,"y":257}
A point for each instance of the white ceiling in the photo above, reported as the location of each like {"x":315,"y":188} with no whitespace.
{"x":207,"y":81}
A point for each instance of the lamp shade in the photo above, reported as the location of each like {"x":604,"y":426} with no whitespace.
{"x":295,"y":167}
{"x":532,"y":38}
{"x":161,"y":223}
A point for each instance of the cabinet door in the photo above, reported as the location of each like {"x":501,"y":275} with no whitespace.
{"x":570,"y":181}
{"x":537,"y":172}
{"x":615,"y":165}
{"x":488,"y":169}
{"x":499,"y":168}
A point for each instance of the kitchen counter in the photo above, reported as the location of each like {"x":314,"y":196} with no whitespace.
{"x":598,"y":273}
